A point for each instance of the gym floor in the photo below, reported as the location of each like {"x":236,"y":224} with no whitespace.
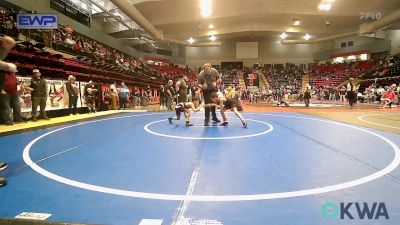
{"x":135,"y":168}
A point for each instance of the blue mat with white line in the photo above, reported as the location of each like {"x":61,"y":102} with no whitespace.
{"x":283,"y":169}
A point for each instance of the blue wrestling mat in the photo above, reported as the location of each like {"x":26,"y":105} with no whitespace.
{"x":136,"y":168}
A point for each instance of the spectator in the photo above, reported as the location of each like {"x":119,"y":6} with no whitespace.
{"x":136,"y":97}
{"x":163,"y":98}
{"x":73,"y":93}
{"x":123,"y":93}
{"x":170,"y":94}
{"x":388,"y":97}
{"x":342,"y":93}
{"x":68,"y":29}
{"x":148,"y":95}
{"x":69,"y":41}
{"x":90,"y":96}
{"x":38,"y":95}
{"x":114,"y":94}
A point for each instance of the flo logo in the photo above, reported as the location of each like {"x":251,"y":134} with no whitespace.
{"x":355,"y":210}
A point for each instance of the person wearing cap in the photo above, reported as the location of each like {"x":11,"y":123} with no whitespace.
{"x":73,"y":94}
{"x":38,"y":95}
{"x":208,"y":80}
{"x":7,"y":44}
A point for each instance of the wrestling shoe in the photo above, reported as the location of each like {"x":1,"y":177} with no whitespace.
{"x":224,"y":124}
{"x":3,"y":181}
{"x":189,"y":124}
{"x":3,"y":166}
{"x":244,"y":124}
{"x":170,"y":119}
{"x":216,"y":120}
{"x":9,"y":123}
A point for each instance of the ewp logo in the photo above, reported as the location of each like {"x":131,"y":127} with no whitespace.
{"x":363,"y":211}
{"x":37,"y":21}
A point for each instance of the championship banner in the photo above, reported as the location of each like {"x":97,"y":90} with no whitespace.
{"x":81,"y":94}
{"x":251,"y":79}
{"x":55,"y":95}
{"x":24,"y":95}
{"x":104,"y":88}
{"x":106,"y":94}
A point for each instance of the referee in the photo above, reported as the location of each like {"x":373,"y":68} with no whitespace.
{"x":208,"y":80}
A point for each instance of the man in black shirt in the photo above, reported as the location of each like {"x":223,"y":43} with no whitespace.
{"x":163,"y":99}
{"x":38,"y":95}
{"x":170,"y":93}
{"x":73,"y":93}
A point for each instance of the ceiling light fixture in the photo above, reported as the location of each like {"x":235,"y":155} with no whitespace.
{"x":213,"y":38}
{"x":283,"y":35}
{"x":307,"y":36}
{"x":191,"y":40}
{"x":325,"y":6}
{"x":211,"y":26}
{"x":205,"y":8}
{"x":296,"y":22}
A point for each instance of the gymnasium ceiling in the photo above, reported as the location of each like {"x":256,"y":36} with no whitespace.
{"x":180,"y":19}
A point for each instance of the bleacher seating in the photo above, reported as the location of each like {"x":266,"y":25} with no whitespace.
{"x":93,"y":59}
{"x":334,"y":74}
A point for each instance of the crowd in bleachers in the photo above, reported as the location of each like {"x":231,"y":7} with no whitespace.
{"x":285,"y":82}
{"x":91,"y":52}
{"x":332,"y":74}
{"x":93,"y":61}
{"x":377,"y":76}
{"x":229,"y":76}
{"x":384,"y":66}
{"x":328,"y":81}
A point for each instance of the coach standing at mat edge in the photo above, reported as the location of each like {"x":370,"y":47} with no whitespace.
{"x":208,"y":80}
